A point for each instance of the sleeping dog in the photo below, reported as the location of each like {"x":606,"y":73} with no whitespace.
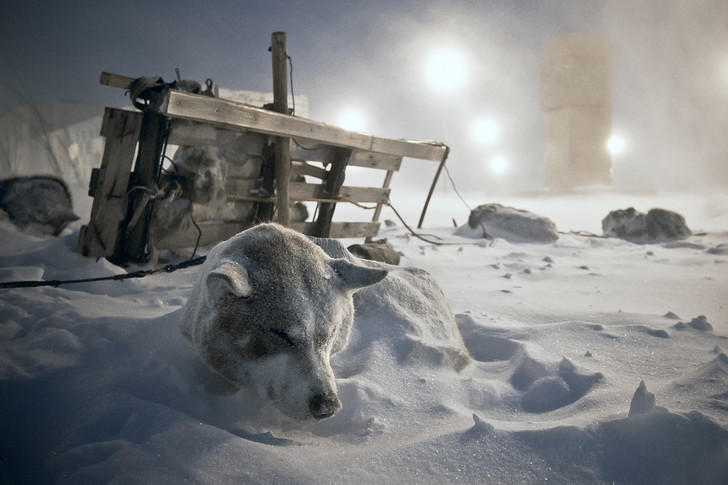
{"x":268,"y":310}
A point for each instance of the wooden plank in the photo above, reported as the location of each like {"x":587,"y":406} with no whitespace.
{"x":307,"y":151}
{"x":279,"y":57}
{"x":121,"y":129}
{"x":302,"y":168}
{"x":264,"y":210}
{"x":331,"y":187}
{"x":240,"y":116}
{"x":244,"y":189}
{"x":381,"y":202}
{"x":133,"y":247}
{"x":116,"y":80}
{"x":192,"y":133}
{"x":314,"y":192}
{"x":381,"y":161}
{"x":359,"y":157}
{"x":340,"y":229}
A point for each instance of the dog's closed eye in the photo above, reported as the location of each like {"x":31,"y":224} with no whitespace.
{"x":282,"y":335}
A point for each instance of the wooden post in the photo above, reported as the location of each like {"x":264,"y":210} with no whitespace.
{"x":135,"y":238}
{"x":280,"y":105}
{"x":332,"y":187}
{"x":122,"y":130}
{"x":380,"y":203}
{"x":432,"y":187}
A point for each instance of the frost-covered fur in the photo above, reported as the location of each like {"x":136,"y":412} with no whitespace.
{"x":385,"y":313}
{"x":636,"y":226}
{"x":39,"y":205}
{"x":268,"y":310}
{"x":509,"y":223}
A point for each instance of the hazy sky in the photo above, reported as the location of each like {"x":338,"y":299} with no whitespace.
{"x":670,"y":61}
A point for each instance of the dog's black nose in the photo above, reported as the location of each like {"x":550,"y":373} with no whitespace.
{"x":324,"y":405}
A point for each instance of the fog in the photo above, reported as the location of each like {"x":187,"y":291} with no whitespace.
{"x":669,"y":78}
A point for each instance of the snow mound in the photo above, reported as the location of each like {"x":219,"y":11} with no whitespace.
{"x":699,"y":323}
{"x":643,"y":400}
{"x":407,"y":311}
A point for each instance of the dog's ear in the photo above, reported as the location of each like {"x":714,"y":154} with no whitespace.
{"x":229,"y":278}
{"x":352,"y":276}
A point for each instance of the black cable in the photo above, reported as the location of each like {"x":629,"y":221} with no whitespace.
{"x":199,"y":235}
{"x":290,"y":72}
{"x":136,"y":274}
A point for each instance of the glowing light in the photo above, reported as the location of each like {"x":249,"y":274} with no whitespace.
{"x":484,"y":131}
{"x":446,"y":69}
{"x":352,"y":119}
{"x":498,"y":164}
{"x":616,"y":144}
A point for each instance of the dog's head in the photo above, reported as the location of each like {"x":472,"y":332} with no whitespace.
{"x":268,"y":311}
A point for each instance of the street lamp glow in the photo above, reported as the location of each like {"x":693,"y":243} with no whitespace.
{"x":352,"y":119}
{"x":447,"y":69}
{"x":616,"y":144}
{"x":498,"y":164}
{"x":484,"y":131}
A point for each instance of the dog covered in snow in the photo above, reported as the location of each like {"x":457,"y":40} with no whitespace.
{"x":268,"y":310}
{"x":636,"y":226}
{"x":38,"y":205}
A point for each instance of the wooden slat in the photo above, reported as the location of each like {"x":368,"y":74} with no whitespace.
{"x":314,"y":192}
{"x":307,"y":151}
{"x":381,"y":161}
{"x":359,"y":157}
{"x":381,"y":202}
{"x":331,"y":187}
{"x":302,"y":168}
{"x":341,"y":229}
{"x":192,"y":133}
{"x":116,"y":80}
{"x":121,"y":129}
{"x":133,"y":246}
{"x":243,"y":189}
{"x":231,"y":114}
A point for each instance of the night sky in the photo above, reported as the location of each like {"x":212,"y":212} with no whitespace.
{"x":670,"y":69}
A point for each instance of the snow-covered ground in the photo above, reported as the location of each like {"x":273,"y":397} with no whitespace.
{"x":97,"y":386}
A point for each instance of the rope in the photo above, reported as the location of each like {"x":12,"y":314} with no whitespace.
{"x":422,"y":237}
{"x":454,"y":187}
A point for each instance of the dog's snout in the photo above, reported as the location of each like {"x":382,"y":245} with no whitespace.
{"x":324,"y":405}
